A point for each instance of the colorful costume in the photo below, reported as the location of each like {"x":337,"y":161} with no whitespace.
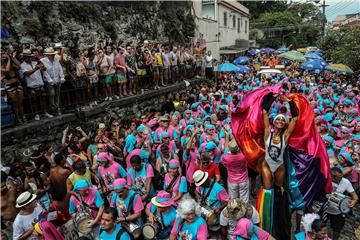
{"x":305,"y":157}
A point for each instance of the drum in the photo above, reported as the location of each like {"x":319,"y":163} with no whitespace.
{"x":133,"y":229}
{"x":150,"y":231}
{"x":340,"y":201}
{"x":208,"y":214}
{"x":82,"y":221}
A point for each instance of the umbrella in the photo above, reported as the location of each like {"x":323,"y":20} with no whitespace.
{"x":314,"y":65}
{"x":283,"y":49}
{"x":302,"y":50}
{"x":339,"y":68}
{"x":243,"y":69}
{"x":227,"y":67}
{"x":241,"y":60}
{"x":312,"y":56}
{"x":293,"y":56}
{"x":271,"y":50}
{"x":253,"y":52}
{"x":262,"y":49}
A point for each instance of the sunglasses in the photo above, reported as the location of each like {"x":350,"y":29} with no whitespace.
{"x":119,"y":191}
{"x":166,"y":137}
{"x":205,"y":163}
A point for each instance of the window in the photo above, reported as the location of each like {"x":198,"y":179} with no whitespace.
{"x":238,"y":26}
{"x":225,"y":19}
{"x":245,"y":26}
{"x":234,"y":21}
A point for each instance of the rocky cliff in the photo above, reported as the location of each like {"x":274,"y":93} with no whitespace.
{"x":80,"y":24}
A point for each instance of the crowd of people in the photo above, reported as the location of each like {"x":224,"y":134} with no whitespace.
{"x":55,"y":77}
{"x":180,"y":173}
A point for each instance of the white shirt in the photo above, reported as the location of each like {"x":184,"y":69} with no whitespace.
{"x":343,"y":186}
{"x":54,"y":70}
{"x":231,"y":223}
{"x":34,"y":80}
{"x":24,"y":222}
{"x":208,"y":60}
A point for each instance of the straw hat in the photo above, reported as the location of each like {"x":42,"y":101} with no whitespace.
{"x":49,"y":51}
{"x":200,"y":177}
{"x":237,"y":209}
{"x":163,"y":199}
{"x":24,"y":199}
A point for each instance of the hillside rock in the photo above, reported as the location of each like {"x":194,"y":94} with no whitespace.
{"x":80,"y":24}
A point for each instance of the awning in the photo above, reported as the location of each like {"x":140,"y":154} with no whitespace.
{"x":232,"y":51}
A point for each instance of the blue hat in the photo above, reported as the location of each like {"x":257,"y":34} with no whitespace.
{"x":209,"y":126}
{"x":188,"y":127}
{"x":210,"y":146}
{"x":140,"y":128}
{"x":81,"y":184}
{"x":164,"y":134}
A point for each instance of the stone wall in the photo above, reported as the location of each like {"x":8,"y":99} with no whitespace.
{"x":80,"y":24}
{"x":14,"y":141}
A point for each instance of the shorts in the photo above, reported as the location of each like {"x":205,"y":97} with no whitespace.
{"x":13,"y":87}
{"x":93,"y":79}
{"x":141,"y":72}
{"x":337,"y":222}
{"x":156,"y":69}
{"x":121,"y":78}
{"x":174,"y":69}
{"x":198,"y":63}
{"x":37,"y":91}
{"x":131,"y":74}
{"x":109,"y":79}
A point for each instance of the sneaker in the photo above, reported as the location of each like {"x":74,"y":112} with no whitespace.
{"x":107,"y":98}
{"x":48,"y":115}
{"x":110,"y":99}
{"x":142,"y":91}
{"x":37,"y":117}
{"x":59,"y":112}
{"x":24,"y":119}
{"x":116,"y":97}
{"x":95,"y":103}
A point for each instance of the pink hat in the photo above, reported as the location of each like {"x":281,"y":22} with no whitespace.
{"x":102,"y":157}
{"x":174,"y":163}
{"x":163,"y":199}
{"x":152,"y":122}
{"x":120,"y":183}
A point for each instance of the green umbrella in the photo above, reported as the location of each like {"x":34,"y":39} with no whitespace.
{"x":293,"y":56}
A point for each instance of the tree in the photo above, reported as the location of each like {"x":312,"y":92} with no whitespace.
{"x":297,"y":23}
{"x":342,"y":46}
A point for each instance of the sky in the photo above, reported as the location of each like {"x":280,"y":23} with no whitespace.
{"x":341,"y":7}
{"x":338,"y":7}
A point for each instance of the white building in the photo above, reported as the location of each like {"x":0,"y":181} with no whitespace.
{"x":223,"y":25}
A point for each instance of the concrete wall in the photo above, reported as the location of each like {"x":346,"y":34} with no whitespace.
{"x":229,"y":33}
{"x":211,"y":28}
{"x":14,"y":141}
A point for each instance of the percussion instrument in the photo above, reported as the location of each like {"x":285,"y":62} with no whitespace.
{"x":82,"y":221}
{"x":340,"y":201}
{"x":132,"y":228}
{"x":208,"y":214}
{"x":150,"y":230}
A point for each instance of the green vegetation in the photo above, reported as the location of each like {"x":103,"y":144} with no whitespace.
{"x":297,"y":23}
{"x":342,"y":46}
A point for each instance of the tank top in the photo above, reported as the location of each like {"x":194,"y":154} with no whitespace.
{"x":274,"y":155}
